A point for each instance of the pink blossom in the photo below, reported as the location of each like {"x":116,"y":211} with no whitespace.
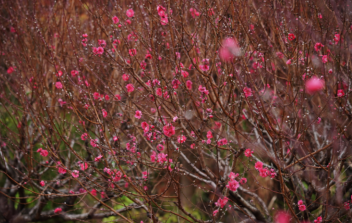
{"x":247,"y":92}
{"x":43,"y":152}
{"x":318,"y":46}
{"x":84,"y":166}
{"x":209,"y":135}
{"x":62,"y":170}
{"x":318,"y":220}
{"x":194,"y":12}
{"x":314,"y":84}
{"x":93,"y":142}
{"x":138,"y":114}
{"x":215,"y":212}
{"x":75,"y":173}
{"x":189,"y":85}
{"x":324,"y":59}
{"x":98,"y":158}
{"x":130,"y":13}
{"x":288,"y":62}
{"x":233,"y":185}
{"x":301,"y":206}
{"x":229,"y":49}
{"x":181,"y":139}
{"x":105,"y":113}
{"x":145,"y":126}
{"x":337,"y":38}
{"x":10,"y":70}
{"x":346,"y":205}
{"x":58,"y":85}
{"x":258,"y":165}
{"x":58,"y":210}
{"x":160,"y":147}
{"x":282,"y":217}
{"x":42,"y":183}
{"x":132,"y":52}
{"x":243,"y":180}
{"x":115,"y":19}
{"x":221,"y":202}
{"x":340,"y":93}
{"x":84,"y":136}
{"x":291,"y":36}
{"x":248,"y":153}
{"x":169,"y":130}
{"x":130,"y":87}
{"x":233,"y":175}
{"x":125,"y":77}
{"x":162,"y":157}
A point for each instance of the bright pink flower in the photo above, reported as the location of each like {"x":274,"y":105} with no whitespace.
{"x":337,"y":38}
{"x":10,"y":70}
{"x":58,"y":210}
{"x":62,"y":170}
{"x":84,"y":136}
{"x":346,"y":205}
{"x":145,"y":126}
{"x":194,"y":12}
{"x":84,"y":166}
{"x":130,"y":87}
{"x":318,"y":46}
{"x":118,"y":97}
{"x":318,"y":220}
{"x":85,"y":35}
{"x":291,"y":36}
{"x":130,"y":13}
{"x":301,"y":206}
{"x":138,"y":114}
{"x":181,"y":139}
{"x":258,"y":165}
{"x":324,"y":59}
{"x":93,"y":142}
{"x":340,"y":93}
{"x":145,"y":174}
{"x":169,"y":130}
{"x":43,"y":152}
{"x":189,"y":85}
{"x":75,"y":173}
{"x":160,"y":147}
{"x":209,"y":135}
{"x":248,"y":152}
{"x":98,"y":50}
{"x":247,"y":92}
{"x":175,"y":83}
{"x":282,"y":217}
{"x":221,"y":202}
{"x":125,"y":77}
{"x":314,"y":84}
{"x":215,"y":212}
{"x":98,"y":158}
{"x":233,"y":175}
{"x":115,"y":19}
{"x":162,"y":157}
{"x":243,"y":180}
{"x":132,"y":52}
{"x":233,"y":185}
{"x":58,"y":85}
{"x":42,"y":183}
{"x":288,"y":62}
{"x":229,"y":49}
{"x":105,"y":113}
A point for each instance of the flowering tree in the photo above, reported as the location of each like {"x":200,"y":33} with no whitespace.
{"x":175,"y":111}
